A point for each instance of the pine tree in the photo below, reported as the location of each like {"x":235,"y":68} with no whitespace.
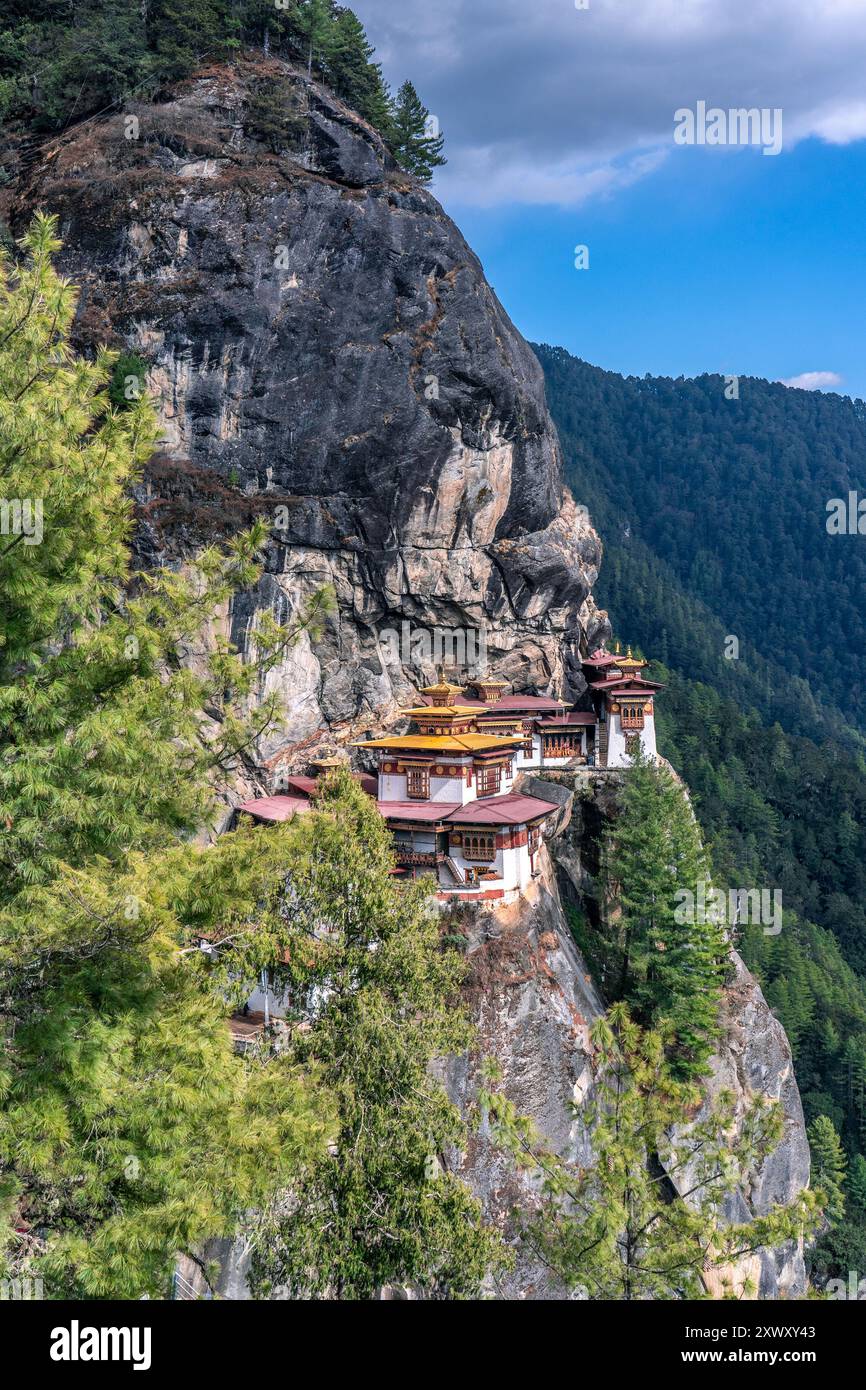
{"x":129,"y":1130}
{"x":416,"y":145}
{"x":361,"y":963}
{"x":183,"y":32}
{"x":643,"y":1220}
{"x":354,"y":75}
{"x":665,"y":967}
{"x":315,"y":20}
{"x":828,"y":1166}
{"x":857,"y":1188}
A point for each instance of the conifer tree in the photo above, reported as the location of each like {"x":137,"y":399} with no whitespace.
{"x":129,"y":1131}
{"x":645,"y":1218}
{"x":857,"y":1188}
{"x":828,"y":1166}
{"x":361,"y":963}
{"x":315,"y":20}
{"x":416,"y":146}
{"x":666,"y":968}
{"x":353,"y":73}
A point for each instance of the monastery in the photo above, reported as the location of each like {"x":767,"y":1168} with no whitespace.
{"x":447,"y":787}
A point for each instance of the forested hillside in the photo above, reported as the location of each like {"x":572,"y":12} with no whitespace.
{"x":59,"y":63}
{"x":713,"y":524}
{"x":723,"y":503}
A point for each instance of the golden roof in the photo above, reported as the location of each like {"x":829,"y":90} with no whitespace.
{"x":443,"y":712}
{"x":443,"y":743}
{"x":442,"y":688}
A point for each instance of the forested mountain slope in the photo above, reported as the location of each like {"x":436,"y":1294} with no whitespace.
{"x":724,"y":502}
{"x":712,"y":513}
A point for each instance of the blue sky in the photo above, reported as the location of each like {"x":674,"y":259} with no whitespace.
{"x":559,"y":129}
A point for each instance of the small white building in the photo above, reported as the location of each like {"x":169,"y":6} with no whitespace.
{"x":624,"y":708}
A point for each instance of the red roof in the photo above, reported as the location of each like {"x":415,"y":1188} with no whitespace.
{"x":638,"y":682}
{"x":511,"y":809}
{"x":425,"y":811}
{"x":508,"y":703}
{"x":275,"y":808}
{"x":527,"y":702}
{"x":602,"y":658}
{"x":301,"y":786}
{"x":573,"y":716}
{"x":636,"y":688}
{"x":306,"y":786}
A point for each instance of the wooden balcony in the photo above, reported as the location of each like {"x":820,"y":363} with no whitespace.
{"x":415,"y":858}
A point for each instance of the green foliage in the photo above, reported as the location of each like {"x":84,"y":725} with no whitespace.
{"x":645,"y":1218}
{"x":354,"y":75}
{"x":99,"y":52}
{"x":828,"y":1166}
{"x":723,"y":503}
{"x":672,"y":470}
{"x":129,"y":1130}
{"x":666,"y":969}
{"x":415,"y":146}
{"x":841,"y":1248}
{"x":789,"y":813}
{"x":128,"y":380}
{"x":360,"y":959}
{"x":275,"y":115}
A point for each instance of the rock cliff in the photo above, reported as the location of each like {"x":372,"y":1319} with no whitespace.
{"x":534,"y":1001}
{"x":327,"y":353}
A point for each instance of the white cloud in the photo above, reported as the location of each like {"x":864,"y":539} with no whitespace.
{"x":813,"y":381}
{"x":840,"y":124}
{"x":542,"y":102}
{"x":484,"y":178}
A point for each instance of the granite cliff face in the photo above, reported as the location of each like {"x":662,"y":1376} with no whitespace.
{"x":753,"y":1056}
{"x":327,"y":353}
{"x":534,"y":1001}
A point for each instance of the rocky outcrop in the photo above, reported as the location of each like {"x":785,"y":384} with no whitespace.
{"x":533,"y":1001}
{"x":327,"y":353}
{"x":754,"y":1058}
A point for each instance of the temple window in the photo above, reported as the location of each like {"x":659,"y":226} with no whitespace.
{"x":488,"y":780}
{"x":479,"y":846}
{"x":562,"y":746}
{"x":632,"y":717}
{"x":418,"y":783}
